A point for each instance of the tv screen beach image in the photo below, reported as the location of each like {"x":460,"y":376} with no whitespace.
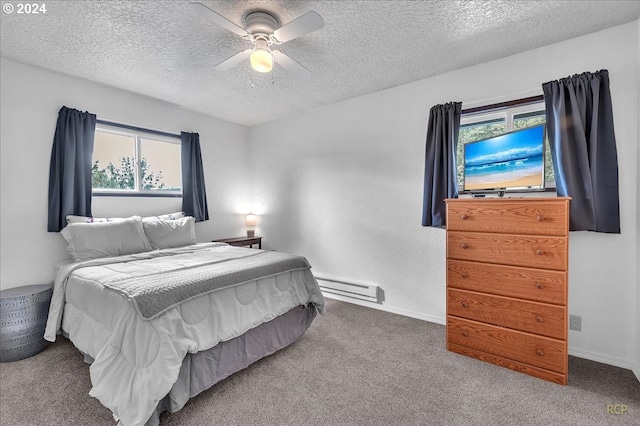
{"x":512,"y":160}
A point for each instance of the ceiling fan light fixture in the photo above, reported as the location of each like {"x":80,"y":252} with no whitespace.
{"x":261,"y":60}
{"x":263,"y":29}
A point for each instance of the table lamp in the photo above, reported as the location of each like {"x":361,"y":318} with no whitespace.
{"x":251,"y":225}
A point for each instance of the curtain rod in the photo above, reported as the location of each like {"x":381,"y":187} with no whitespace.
{"x":501,"y":105}
{"x":139,"y":129}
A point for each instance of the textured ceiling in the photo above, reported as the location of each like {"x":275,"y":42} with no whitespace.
{"x":162,"y":50}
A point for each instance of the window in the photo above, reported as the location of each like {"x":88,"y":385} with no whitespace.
{"x":129,"y":162}
{"x":477,"y":126}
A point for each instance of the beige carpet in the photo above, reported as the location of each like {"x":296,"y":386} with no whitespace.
{"x":354,"y":366}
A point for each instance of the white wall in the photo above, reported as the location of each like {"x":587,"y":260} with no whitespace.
{"x":31,"y":98}
{"x":342,"y":185}
{"x":637,"y":328}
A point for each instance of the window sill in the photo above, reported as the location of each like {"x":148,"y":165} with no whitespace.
{"x":135,"y":194}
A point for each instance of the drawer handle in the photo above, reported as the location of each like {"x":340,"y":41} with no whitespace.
{"x":465,"y":275}
{"x":464,"y":217}
{"x":465,"y":246}
{"x":539,"y":319}
{"x":539,"y":252}
{"x":464,"y":304}
{"x":540,"y":352}
{"x":465,"y":333}
{"x":539,"y":218}
{"x":539,"y":286}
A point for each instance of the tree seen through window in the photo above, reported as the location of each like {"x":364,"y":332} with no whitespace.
{"x":133,"y":162}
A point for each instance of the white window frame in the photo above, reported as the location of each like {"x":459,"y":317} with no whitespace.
{"x":507,"y":114}
{"x":137,"y":191}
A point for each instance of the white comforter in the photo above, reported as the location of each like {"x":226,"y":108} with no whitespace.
{"x":137,"y":360}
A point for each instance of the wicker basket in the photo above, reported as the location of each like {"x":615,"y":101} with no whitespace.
{"x":23,"y":317}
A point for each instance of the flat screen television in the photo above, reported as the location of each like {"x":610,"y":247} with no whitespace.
{"x":513,"y":161}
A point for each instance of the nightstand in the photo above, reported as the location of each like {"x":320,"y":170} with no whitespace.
{"x":241,"y":241}
{"x":23,"y":317}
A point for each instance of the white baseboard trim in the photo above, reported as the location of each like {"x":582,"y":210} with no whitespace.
{"x":598,"y":357}
{"x":386,"y":308}
{"x":580,"y":353}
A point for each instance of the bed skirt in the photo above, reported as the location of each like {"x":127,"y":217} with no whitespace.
{"x":202,"y":370}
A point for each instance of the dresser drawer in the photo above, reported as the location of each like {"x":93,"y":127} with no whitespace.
{"x":534,"y":317}
{"x":530,"y":217}
{"x":506,"y":249}
{"x":543,"y":352}
{"x":524,"y":283}
{"x":512,"y":364}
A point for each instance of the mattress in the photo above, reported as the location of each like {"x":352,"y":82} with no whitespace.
{"x":138,"y":360}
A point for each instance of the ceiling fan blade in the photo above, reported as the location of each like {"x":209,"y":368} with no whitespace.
{"x":290,"y":65}
{"x":231,"y":62}
{"x":305,"y":24}
{"x":217,"y":19}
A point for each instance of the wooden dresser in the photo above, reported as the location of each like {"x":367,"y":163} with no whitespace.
{"x":507,"y":283}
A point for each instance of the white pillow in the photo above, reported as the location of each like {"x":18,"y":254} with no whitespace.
{"x":169,"y":216}
{"x":103,"y":239}
{"x":164,"y":233}
{"x":88,"y":219}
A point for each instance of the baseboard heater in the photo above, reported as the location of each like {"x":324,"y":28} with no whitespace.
{"x":348,"y":289}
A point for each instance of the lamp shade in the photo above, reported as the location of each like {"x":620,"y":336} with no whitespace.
{"x":261,"y":60}
{"x":251,"y":220}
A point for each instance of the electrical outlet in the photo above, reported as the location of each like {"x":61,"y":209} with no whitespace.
{"x":575,"y":322}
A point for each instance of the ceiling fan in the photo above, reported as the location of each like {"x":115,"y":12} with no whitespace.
{"x":264,"y":31}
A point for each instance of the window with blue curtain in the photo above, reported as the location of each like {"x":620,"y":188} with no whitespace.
{"x":583,"y":149}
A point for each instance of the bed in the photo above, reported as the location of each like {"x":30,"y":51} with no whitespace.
{"x":161,"y":324}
